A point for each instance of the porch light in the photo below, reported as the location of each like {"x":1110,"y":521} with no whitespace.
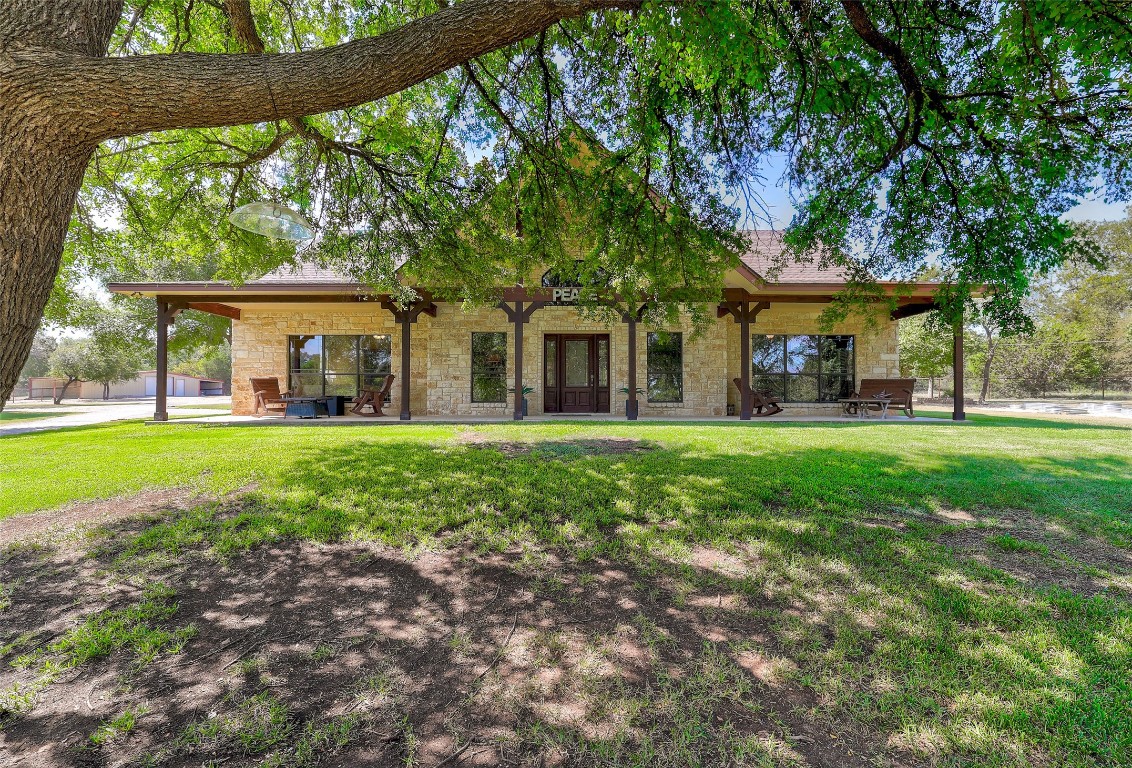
{"x":272,"y":220}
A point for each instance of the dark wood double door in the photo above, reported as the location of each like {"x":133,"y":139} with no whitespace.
{"x":575,"y":372}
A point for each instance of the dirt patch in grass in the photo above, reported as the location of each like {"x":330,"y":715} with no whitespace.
{"x":72,"y":517}
{"x":349,"y":654}
{"x":561,"y":449}
{"x":1044,"y":554}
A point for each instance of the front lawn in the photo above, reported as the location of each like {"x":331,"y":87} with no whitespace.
{"x":577,"y":594}
{"x":13,"y":415}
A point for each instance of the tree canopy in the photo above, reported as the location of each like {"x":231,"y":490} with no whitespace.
{"x":478,"y":139}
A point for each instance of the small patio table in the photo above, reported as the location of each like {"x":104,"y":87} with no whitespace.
{"x":305,"y":407}
{"x":860,"y":406}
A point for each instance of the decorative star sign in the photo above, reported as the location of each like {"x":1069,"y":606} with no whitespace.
{"x":883,"y":396}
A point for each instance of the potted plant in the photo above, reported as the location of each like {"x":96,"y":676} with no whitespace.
{"x":526,"y":391}
{"x":631,"y":401}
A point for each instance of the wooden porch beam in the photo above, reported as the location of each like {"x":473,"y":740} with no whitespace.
{"x":223,"y":310}
{"x":912,"y":309}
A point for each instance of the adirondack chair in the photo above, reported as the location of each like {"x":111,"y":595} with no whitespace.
{"x":374,"y":398}
{"x":268,"y":396}
{"x":759,"y":400}
{"x":899,"y":391}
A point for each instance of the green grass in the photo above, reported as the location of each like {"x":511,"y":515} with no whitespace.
{"x":1008,"y":543}
{"x":13,"y":415}
{"x":846,"y":525}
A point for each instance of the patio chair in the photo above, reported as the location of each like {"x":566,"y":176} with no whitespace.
{"x":762,"y":403}
{"x":268,"y":395}
{"x":899,"y":391}
{"x":374,"y":398}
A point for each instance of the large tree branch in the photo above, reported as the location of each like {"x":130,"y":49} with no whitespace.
{"x":909,"y":133}
{"x":108,"y":97}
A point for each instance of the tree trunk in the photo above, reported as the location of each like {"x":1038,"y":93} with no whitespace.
{"x":105,"y":390}
{"x":63,"y":392}
{"x":38,"y":187}
{"x":42,"y":157}
{"x":987,"y":365}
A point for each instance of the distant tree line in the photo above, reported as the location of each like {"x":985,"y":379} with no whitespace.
{"x":1081,"y":339}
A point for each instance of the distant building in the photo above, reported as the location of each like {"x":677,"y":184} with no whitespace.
{"x":143,"y":385}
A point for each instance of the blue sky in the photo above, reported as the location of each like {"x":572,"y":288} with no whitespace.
{"x":776,"y":197}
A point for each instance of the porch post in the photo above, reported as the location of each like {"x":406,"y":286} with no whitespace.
{"x":161,"y":411}
{"x":406,"y":326}
{"x":957,"y":411}
{"x":745,"y":360}
{"x":520,"y":321}
{"x":631,"y":404}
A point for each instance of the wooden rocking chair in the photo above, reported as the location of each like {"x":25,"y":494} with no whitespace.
{"x":374,"y":398}
{"x":762,"y":403}
{"x":268,"y":396}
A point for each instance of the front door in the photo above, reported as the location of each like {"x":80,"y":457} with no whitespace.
{"x":576,"y":373}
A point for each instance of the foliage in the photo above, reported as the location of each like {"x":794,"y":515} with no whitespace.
{"x":850,"y":553}
{"x":926,"y":348}
{"x":208,"y":362}
{"x":636,"y":142}
{"x":106,"y":358}
{"x":37,"y":363}
{"x":1082,"y":336}
{"x":72,"y":360}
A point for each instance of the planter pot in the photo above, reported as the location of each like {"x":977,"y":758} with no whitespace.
{"x":631,"y":410}
{"x":524,"y":406}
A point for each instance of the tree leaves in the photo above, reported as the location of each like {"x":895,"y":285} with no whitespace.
{"x":915,"y":133}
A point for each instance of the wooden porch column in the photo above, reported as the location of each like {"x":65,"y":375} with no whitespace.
{"x":406,"y":334}
{"x":957,"y":409}
{"x":745,"y":361}
{"x":632,"y":406}
{"x":519,"y":315}
{"x":161,"y":410}
{"x":744,"y":313}
{"x":406,"y":316}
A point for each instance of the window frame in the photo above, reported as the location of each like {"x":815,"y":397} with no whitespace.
{"x":359,"y":373}
{"x":650,"y":369}
{"x":483,"y":372}
{"x":820,"y":376}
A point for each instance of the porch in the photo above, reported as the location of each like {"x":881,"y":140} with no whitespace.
{"x":785,"y":417}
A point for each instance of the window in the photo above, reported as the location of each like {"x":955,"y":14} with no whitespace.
{"x":338,"y":365}
{"x":489,"y":367}
{"x":665,"y":367}
{"x":803,"y":369}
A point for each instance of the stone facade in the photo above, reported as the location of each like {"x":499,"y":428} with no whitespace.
{"x":440,"y":372}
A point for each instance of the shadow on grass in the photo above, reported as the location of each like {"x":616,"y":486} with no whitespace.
{"x":647,"y":605}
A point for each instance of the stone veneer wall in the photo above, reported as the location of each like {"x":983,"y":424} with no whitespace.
{"x":441,"y":353}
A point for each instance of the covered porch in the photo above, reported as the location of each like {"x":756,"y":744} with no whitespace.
{"x":453,"y":363}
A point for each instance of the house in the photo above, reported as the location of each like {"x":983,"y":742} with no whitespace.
{"x":142,"y":385}
{"x":322,"y":334}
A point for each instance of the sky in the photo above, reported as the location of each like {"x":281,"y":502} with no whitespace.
{"x":777,"y":200}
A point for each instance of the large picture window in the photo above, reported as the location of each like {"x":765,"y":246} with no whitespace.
{"x":489,"y":367}
{"x":665,"y":367}
{"x":803,"y":369}
{"x":338,"y":365}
